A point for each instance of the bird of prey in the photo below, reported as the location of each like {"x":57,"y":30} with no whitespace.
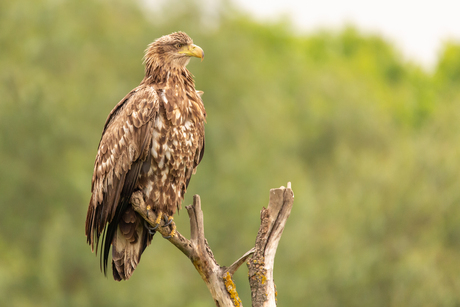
{"x":152,"y":142}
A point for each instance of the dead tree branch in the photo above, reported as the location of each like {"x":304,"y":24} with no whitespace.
{"x":273,"y":219}
{"x":219,"y":278}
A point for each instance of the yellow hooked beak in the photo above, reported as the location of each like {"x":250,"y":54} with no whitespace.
{"x":193,"y":50}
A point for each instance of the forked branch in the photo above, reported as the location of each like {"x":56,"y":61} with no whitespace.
{"x":273,"y":219}
{"x":219,"y":278}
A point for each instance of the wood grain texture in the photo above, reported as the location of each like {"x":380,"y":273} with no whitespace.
{"x":260,"y":265}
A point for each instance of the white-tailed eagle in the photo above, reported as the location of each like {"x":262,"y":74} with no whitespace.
{"x":152,"y":142}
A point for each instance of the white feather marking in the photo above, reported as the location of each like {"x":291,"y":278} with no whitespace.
{"x":156,"y":134}
{"x":164,"y":175}
{"x":148,"y":188}
{"x":155,"y":145}
{"x":159,"y":122}
{"x":155,"y":151}
{"x":104,"y":164}
{"x":163,"y":97}
{"x":131,"y":152}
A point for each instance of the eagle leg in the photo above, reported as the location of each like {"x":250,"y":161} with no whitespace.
{"x":169,"y":221}
{"x":148,"y":210}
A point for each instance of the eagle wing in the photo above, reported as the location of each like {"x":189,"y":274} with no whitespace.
{"x":123,"y":149}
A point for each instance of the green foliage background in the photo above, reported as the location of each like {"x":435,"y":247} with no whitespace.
{"x":371,"y":143}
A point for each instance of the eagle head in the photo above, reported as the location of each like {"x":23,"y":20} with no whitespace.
{"x":173,"y":50}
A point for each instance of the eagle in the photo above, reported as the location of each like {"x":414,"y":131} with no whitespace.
{"x":152,"y":143}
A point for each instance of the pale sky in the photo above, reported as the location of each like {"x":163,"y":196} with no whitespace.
{"x":417,"y":27}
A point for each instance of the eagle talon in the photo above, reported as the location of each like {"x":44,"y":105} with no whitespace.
{"x":151,"y":230}
{"x":148,"y":210}
{"x":169,"y":221}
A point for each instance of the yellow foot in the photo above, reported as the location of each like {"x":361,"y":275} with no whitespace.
{"x":158,"y":219}
{"x":148,"y":210}
{"x":169,"y":221}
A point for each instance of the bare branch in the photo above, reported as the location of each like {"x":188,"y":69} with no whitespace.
{"x":232,"y":269}
{"x":217,"y":278}
{"x":194,"y":227}
{"x":273,"y":220}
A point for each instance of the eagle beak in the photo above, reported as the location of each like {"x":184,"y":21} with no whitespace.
{"x":193,"y":50}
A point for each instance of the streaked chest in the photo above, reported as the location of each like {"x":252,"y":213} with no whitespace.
{"x":173,"y":145}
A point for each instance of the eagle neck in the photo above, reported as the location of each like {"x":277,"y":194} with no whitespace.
{"x":178,"y":96}
{"x":160,"y":74}
{"x":176,"y":88}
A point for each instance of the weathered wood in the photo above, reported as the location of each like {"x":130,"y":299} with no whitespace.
{"x":260,"y":265}
{"x":232,"y":269}
{"x":218,"y":279}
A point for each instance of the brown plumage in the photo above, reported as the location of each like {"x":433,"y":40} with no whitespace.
{"x":152,"y":142}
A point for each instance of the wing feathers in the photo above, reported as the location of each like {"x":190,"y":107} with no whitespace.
{"x":121,"y":153}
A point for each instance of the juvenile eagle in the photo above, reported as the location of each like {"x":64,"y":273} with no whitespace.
{"x":152,"y":142}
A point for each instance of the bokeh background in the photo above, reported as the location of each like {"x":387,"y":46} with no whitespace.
{"x":369,"y":139}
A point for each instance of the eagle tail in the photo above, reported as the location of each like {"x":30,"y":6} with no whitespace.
{"x":128,"y":243}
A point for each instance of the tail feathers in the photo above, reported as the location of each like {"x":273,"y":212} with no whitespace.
{"x":128,"y":243}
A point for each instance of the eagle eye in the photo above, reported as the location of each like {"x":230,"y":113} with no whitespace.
{"x":179,"y":45}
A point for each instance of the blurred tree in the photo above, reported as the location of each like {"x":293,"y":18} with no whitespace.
{"x":370,"y":142}
{"x":448,"y":68}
